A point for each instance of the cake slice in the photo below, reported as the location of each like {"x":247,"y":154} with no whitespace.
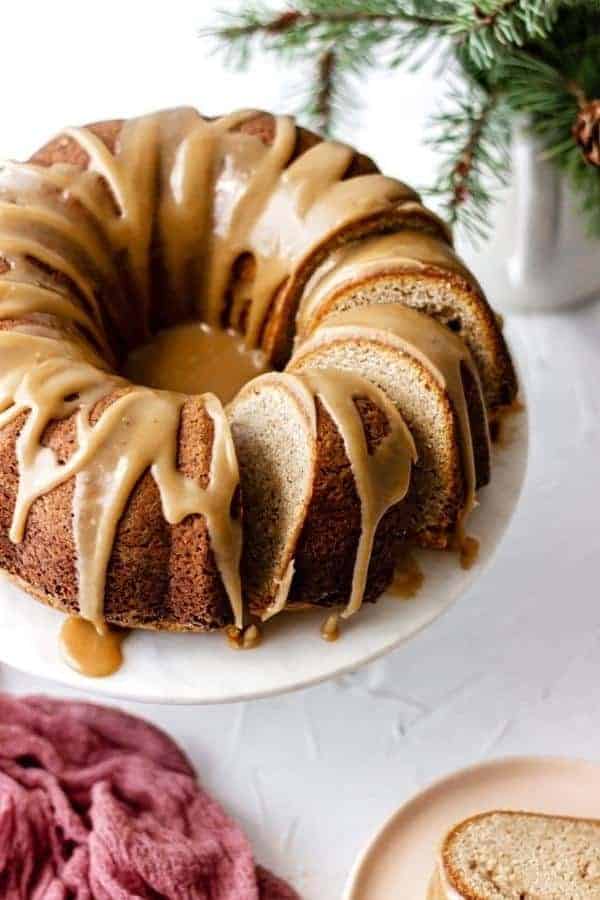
{"x":325,"y":461}
{"x":422,"y":271}
{"x":519,"y":856}
{"x":429,"y":375}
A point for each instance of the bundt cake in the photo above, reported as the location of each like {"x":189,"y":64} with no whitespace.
{"x":138,"y":507}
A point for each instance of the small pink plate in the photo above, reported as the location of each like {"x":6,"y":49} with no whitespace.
{"x":399,"y":861}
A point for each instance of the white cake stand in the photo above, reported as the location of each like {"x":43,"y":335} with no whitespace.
{"x":187,"y":668}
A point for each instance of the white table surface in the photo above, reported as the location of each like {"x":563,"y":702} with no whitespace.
{"x":514,"y":668}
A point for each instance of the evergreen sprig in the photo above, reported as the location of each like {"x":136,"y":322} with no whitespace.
{"x":472,"y":135}
{"x":537,"y":58}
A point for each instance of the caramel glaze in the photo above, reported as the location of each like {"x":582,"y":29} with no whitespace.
{"x":92,"y":652}
{"x":217,"y":194}
{"x":469,"y":551}
{"x":193,"y":358}
{"x":205,"y":194}
{"x":408,"y":576}
{"x":330,"y":629}
{"x":243,"y":638}
{"x":382,"y":477}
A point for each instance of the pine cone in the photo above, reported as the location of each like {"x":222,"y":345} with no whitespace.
{"x":586,"y":132}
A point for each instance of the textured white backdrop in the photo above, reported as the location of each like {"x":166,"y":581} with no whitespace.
{"x":515,"y":667}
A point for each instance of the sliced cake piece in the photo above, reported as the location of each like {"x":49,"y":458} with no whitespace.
{"x":428,"y":373}
{"x":325,"y":462}
{"x":519,"y":856}
{"x":422,"y":271}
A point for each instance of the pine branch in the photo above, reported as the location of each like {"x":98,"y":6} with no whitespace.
{"x":533,"y":57}
{"x":260,"y":21}
{"x":488,"y":28}
{"x":313,"y":26}
{"x":324,"y":101}
{"x":474,"y":134}
{"x":479,"y":29}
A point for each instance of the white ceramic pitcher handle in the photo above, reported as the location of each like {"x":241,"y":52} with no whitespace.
{"x":538,"y":204}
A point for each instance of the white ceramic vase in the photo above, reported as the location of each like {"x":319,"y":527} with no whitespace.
{"x":539,"y":256}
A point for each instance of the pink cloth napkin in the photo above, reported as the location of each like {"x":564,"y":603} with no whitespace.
{"x":95,"y":803}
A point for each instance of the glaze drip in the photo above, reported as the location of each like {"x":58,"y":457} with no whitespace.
{"x":382,"y":477}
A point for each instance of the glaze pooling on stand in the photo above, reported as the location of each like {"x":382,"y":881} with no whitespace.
{"x":408,"y":576}
{"x":93,"y":653}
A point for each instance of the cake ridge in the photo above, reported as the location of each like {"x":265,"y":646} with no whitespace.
{"x":381,"y":477}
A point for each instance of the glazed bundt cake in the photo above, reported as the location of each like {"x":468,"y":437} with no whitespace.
{"x":140,"y":507}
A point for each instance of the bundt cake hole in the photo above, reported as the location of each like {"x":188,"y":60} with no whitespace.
{"x":195,"y":358}
{"x":190,"y":356}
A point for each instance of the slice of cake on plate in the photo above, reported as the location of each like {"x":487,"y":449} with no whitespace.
{"x":519,"y":856}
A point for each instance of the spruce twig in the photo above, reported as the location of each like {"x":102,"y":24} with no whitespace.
{"x":473,"y":133}
{"x":539,"y":58}
{"x":324,"y":101}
